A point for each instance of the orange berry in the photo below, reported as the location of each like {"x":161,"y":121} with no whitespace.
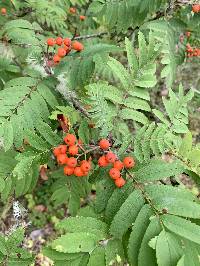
{"x":56,"y":151}
{"x":72,"y":10}
{"x":114,"y":173}
{"x":3,"y":11}
{"x":61,"y":52}
{"x":77,"y":46}
{"x":85,"y":166}
{"x":62,"y":159}
{"x":118,"y":165}
{"x":73,"y":150}
{"x":196,"y":8}
{"x":111,"y":157}
{"x":188,"y":33}
{"x":82,"y":17}
{"x":56,"y":59}
{"x":67,"y":49}
{"x":104,"y":144}
{"x":63,"y":149}
{"x":72,"y":162}
{"x":120,"y":182}
{"x":50,"y":42}
{"x":68,"y":170}
{"x":59,"y":41}
{"x":129,"y":162}
{"x":78,"y":171}
{"x":102,"y":162}
{"x":67,"y":41}
{"x":70,"y":139}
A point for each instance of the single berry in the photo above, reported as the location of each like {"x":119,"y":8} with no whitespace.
{"x":78,"y":171}
{"x":188,"y":33}
{"x":104,"y":144}
{"x":102,"y":162}
{"x":85,"y":166}
{"x":59,"y":41}
{"x":118,"y":165}
{"x":50,"y":42}
{"x":67,"y":41}
{"x":70,"y":139}
{"x":56,"y":59}
{"x":72,"y":162}
{"x":73,"y":150}
{"x":72,"y":10}
{"x":77,"y":46}
{"x":3,"y":11}
{"x":68,"y":170}
{"x":114,"y":173}
{"x":62,"y":159}
{"x":61,"y":52}
{"x":67,"y":49}
{"x":56,"y":151}
{"x":82,"y":17}
{"x":128,"y":162}
{"x":120,"y":182}
{"x":196,"y":8}
{"x":111,"y":157}
{"x":63,"y":149}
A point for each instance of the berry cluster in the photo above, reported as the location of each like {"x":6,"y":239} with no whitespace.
{"x":117,"y":166}
{"x":3,"y":11}
{"x":73,"y":10}
{"x":196,"y":8}
{"x":191,"y":51}
{"x":68,"y":155}
{"x":65,"y":47}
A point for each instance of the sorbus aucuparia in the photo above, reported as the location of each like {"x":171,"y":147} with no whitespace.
{"x":70,"y":139}
{"x":56,"y":151}
{"x":68,"y":170}
{"x":72,"y":10}
{"x":118,"y":165}
{"x":196,"y":8}
{"x":61,"y":52}
{"x":120,"y":182}
{"x":62,"y":159}
{"x":3,"y":11}
{"x":104,"y":144}
{"x":114,"y":173}
{"x":82,"y":17}
{"x":85,"y":166}
{"x":111,"y":157}
{"x":73,"y":150}
{"x":77,"y":46}
{"x":59,"y":41}
{"x":129,"y":162}
{"x":56,"y":59}
{"x":78,"y":171}
{"x":72,"y":162}
{"x":67,"y":41}
{"x":102,"y":162}
{"x":50,"y":42}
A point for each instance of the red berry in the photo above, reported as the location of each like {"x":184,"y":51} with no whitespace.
{"x":78,"y":171}
{"x":77,"y":46}
{"x":188,"y":33}
{"x":67,"y":49}
{"x":59,"y":41}
{"x":67,"y":41}
{"x":104,"y":144}
{"x":61,"y":52}
{"x":111,"y":157}
{"x":120,"y":182}
{"x":62,"y":159}
{"x":128,"y":162}
{"x":85,"y":166}
{"x":3,"y":11}
{"x":114,"y":173}
{"x":118,"y":165}
{"x":63,"y":149}
{"x":56,"y":59}
{"x":102,"y":162}
{"x":70,"y":139}
{"x":196,"y":8}
{"x":72,"y":162}
{"x":82,"y":17}
{"x":73,"y":150}
{"x":56,"y":151}
{"x":50,"y":42}
{"x":72,"y":10}
{"x":68,"y":170}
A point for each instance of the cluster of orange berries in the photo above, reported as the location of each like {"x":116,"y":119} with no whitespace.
{"x":72,"y":10}
{"x":65,"y":47}
{"x":67,"y":155}
{"x":3,"y":11}
{"x":117,"y":165}
{"x":196,"y":8}
{"x":192,"y":51}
